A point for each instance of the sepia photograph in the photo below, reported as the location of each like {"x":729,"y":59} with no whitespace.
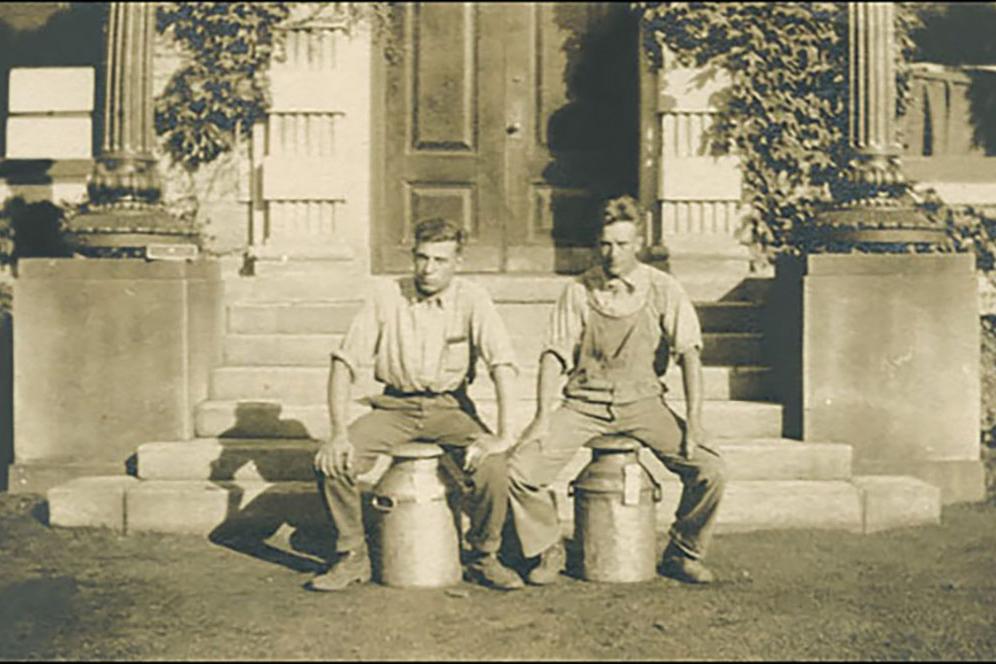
{"x":498,"y":331}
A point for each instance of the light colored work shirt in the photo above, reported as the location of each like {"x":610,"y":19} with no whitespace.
{"x":618,"y":297}
{"x":426,"y":344}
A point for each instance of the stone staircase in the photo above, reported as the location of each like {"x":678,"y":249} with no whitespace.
{"x":250,"y":465}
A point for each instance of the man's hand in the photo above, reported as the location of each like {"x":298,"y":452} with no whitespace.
{"x":335,"y":458}
{"x":484,"y":445}
{"x":695,"y":435}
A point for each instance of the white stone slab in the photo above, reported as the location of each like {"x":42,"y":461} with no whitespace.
{"x":300,"y":178}
{"x":963,"y":193}
{"x":309,"y":91}
{"x":92,"y":502}
{"x":49,"y":137}
{"x":893,"y":501}
{"x":701,"y":179}
{"x":687,"y":89}
{"x":48,"y":89}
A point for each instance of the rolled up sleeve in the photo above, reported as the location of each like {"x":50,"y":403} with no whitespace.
{"x":360,"y":342}
{"x":563,"y":334}
{"x":681,"y":322}
{"x":489,"y":334}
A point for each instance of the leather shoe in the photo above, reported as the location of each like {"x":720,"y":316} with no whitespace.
{"x":551,"y":564}
{"x":351,"y":567}
{"x":685,"y":569}
{"x":487,"y":570}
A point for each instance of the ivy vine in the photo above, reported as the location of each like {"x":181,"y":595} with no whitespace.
{"x":222,"y":89}
{"x":785,"y":112}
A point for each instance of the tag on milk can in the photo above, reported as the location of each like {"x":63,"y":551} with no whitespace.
{"x":631,"y":484}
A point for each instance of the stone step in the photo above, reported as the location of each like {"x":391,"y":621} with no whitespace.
{"x":706,"y":287}
{"x":272,"y":419}
{"x":719,"y":349}
{"x":226,"y":508}
{"x":311,"y":281}
{"x":304,"y":385}
{"x":521,"y":318}
{"x":732,"y":349}
{"x":282,"y":460}
{"x":699,"y":279}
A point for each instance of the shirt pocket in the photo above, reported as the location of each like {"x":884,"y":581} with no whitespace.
{"x":456,"y":355}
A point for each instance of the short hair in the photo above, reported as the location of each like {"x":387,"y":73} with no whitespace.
{"x":439,"y":229}
{"x":622,"y":208}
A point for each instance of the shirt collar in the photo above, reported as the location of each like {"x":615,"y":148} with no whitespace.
{"x":443,"y":299}
{"x":632,"y":280}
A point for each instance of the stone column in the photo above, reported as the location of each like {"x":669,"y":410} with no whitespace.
{"x":123,"y":210}
{"x":873,"y":207}
{"x":889,"y":353}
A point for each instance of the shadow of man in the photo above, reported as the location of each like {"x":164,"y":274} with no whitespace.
{"x":274,"y":512}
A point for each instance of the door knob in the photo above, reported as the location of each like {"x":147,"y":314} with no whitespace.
{"x":513,"y":128}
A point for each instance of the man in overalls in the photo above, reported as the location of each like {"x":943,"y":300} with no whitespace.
{"x":425,"y":334}
{"x":605,"y":333}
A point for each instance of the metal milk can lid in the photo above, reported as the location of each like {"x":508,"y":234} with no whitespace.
{"x":417,"y":451}
{"x":613,"y":443}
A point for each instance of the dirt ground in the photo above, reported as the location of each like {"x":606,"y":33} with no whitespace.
{"x":921,"y":593}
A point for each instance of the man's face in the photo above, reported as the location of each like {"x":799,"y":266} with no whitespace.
{"x":618,"y":245}
{"x":435,"y":265}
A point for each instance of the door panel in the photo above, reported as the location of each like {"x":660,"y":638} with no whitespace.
{"x":443,"y":131}
{"x":521,"y":118}
{"x":581,"y":92}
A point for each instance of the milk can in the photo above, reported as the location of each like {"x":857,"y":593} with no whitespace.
{"x":417,"y":541}
{"x":615,"y":513}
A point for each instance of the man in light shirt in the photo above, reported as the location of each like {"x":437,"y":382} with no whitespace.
{"x":605,"y":334}
{"x":425,"y":333}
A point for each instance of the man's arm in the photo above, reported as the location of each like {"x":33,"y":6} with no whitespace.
{"x":547,"y":396}
{"x":485,"y":445}
{"x":335,"y":455}
{"x":681,"y":325}
{"x":691,"y":376}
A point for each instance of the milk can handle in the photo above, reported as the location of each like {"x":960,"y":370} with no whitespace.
{"x":658,"y":492}
{"x":382,"y":503}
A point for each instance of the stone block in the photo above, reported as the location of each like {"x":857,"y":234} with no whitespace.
{"x":219,"y":508}
{"x":959,"y":480}
{"x":94,"y":502}
{"x":51,"y":89}
{"x":890,"y":357}
{"x":40,"y":476}
{"x":49,"y":137}
{"x":893,"y":501}
{"x":110,"y":353}
{"x":222,"y":459}
{"x":701,"y":179}
{"x":779,"y":504}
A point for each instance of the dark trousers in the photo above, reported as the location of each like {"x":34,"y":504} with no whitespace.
{"x":441,"y":419}
{"x":532,"y":467}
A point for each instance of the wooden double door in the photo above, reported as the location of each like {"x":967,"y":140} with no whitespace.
{"x":514,"y":119}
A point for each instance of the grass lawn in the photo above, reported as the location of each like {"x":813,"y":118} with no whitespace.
{"x":919,"y":593}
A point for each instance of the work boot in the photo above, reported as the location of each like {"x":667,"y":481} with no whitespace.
{"x":676,"y":564}
{"x":487,"y":570}
{"x":551,"y":564}
{"x":351,"y":567}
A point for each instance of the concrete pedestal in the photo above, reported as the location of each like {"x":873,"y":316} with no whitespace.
{"x":890,"y":365}
{"x":108,"y":354}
